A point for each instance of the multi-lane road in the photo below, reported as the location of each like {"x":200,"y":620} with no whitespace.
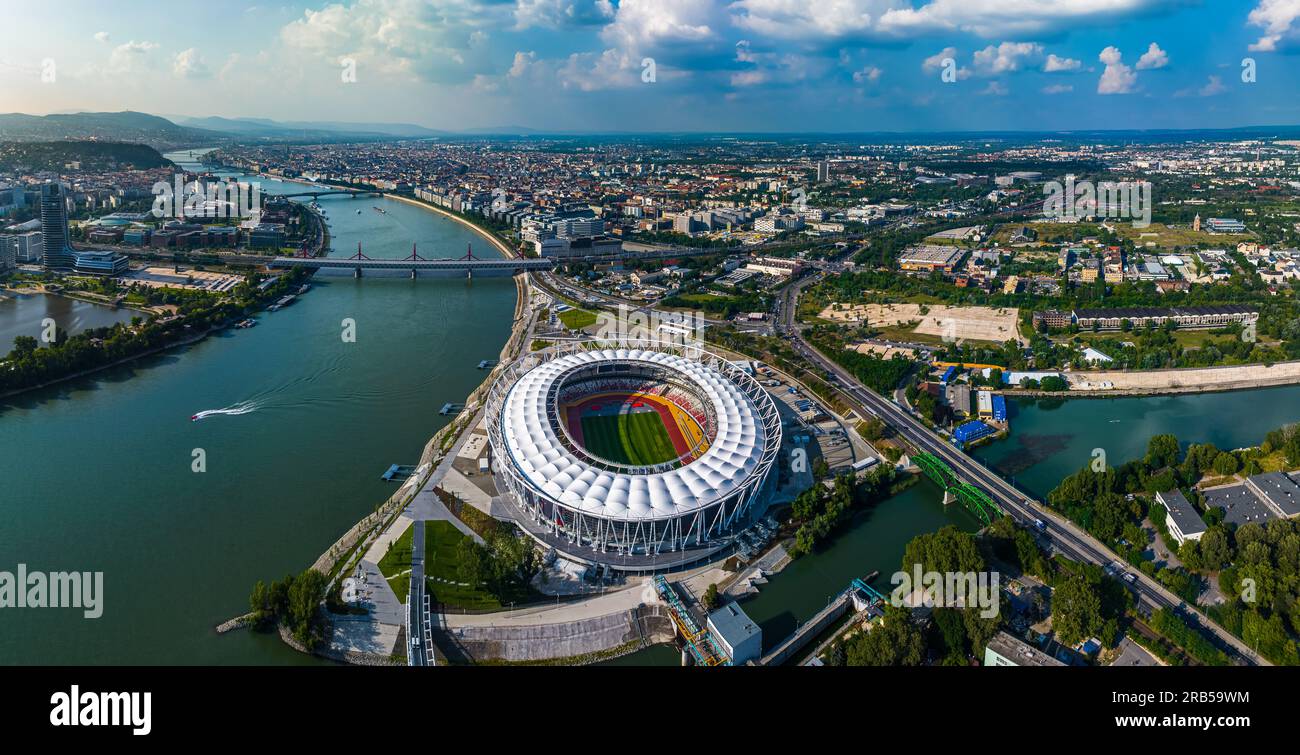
{"x":1063,"y":535}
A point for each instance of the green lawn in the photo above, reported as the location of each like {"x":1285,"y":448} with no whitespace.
{"x":577,"y":319}
{"x":441,"y":569}
{"x":638,"y":438}
{"x":396,"y":564}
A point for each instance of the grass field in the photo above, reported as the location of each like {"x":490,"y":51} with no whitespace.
{"x":576,"y":319}
{"x":638,"y":438}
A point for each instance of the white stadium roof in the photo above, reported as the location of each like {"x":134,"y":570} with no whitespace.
{"x":550,"y":468}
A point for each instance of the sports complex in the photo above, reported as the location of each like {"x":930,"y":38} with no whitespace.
{"x":631,"y":451}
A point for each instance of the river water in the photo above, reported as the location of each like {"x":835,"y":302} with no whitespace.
{"x":97,"y":473}
{"x":24,"y":315}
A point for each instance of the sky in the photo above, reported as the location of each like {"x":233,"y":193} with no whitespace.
{"x":666,"y":65}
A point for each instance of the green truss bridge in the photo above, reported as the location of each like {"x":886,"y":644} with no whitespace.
{"x":975,"y":501}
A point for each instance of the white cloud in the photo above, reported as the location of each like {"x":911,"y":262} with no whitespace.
{"x":189,"y":64}
{"x":648,"y":26}
{"x":555,"y":14}
{"x":1057,"y":89}
{"x":1277,"y":18}
{"x":934,"y":63}
{"x":1154,"y":57}
{"x":800,"y":19}
{"x":1006,"y":57}
{"x":1117,"y":78}
{"x":101,"y":36}
{"x":1212,"y":87}
{"x":1056,"y":64}
{"x":837,"y":19}
{"x":581,"y":71}
{"x":996,"y":88}
{"x":130,"y":57}
{"x":990,"y":18}
{"x":442,"y":41}
{"x":868,"y":75}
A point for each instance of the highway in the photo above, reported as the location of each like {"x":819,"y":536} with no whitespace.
{"x":1063,"y":535}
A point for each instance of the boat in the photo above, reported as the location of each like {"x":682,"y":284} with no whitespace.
{"x":194,"y":418}
{"x":358,"y":212}
{"x":379,"y":210}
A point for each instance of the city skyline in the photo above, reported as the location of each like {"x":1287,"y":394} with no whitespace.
{"x":748,"y":66}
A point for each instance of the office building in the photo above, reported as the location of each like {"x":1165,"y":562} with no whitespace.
{"x":99,"y":263}
{"x":27,"y":247}
{"x":1181,"y":518}
{"x":54,"y":228}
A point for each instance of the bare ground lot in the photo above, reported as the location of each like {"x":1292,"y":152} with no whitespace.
{"x":959,"y":323}
{"x":1187,"y":380}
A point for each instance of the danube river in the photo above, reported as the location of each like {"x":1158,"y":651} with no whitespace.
{"x":98,"y":472}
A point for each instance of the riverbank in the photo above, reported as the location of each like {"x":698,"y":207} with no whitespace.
{"x":1235,"y":377}
{"x":491,"y":237}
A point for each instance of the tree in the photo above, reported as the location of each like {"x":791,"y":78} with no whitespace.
{"x":1215,"y":551}
{"x":711,"y":597}
{"x":1076,"y":611}
{"x":895,"y":642}
{"x":1225,"y":464}
{"x":1162,"y":451}
{"x":1054,"y":383}
{"x":305,"y":595}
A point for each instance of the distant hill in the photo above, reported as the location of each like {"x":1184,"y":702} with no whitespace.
{"x":126,"y":126}
{"x":93,"y":155}
{"x":267,"y":128}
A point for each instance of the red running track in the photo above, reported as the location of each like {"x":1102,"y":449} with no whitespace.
{"x":574,"y":412}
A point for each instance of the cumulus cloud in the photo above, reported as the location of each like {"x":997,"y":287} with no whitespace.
{"x":995,"y":88}
{"x":1154,"y":57}
{"x":1118,"y":78}
{"x":933,"y":63}
{"x":101,"y":36}
{"x":580,"y":71}
{"x":1278,"y":20}
{"x":1212,"y":87}
{"x":189,"y":64}
{"x":989,"y":18}
{"x":868,"y":75}
{"x":1006,"y":57}
{"x":649,"y":26}
{"x":1056,"y":64}
{"x":1057,"y":89}
{"x":441,"y":41}
{"x":556,"y":14}
{"x":130,"y":57}
{"x":837,"y":19}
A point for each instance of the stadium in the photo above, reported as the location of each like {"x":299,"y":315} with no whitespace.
{"x":618,"y":455}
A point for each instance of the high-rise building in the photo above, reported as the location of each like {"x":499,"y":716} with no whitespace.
{"x":54,"y":228}
{"x":823,"y":172}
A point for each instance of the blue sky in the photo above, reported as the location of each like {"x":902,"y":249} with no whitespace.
{"x":743,"y":65}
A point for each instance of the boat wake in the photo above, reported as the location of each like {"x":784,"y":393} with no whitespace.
{"x":243,"y":407}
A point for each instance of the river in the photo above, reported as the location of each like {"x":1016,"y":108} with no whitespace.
{"x":24,"y":315}
{"x":98,"y":472}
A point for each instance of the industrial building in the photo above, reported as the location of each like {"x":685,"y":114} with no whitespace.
{"x":973,"y":430}
{"x":1265,"y":496}
{"x":740,"y":639}
{"x":929,"y":257}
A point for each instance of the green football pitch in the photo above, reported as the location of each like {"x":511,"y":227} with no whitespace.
{"x":639,"y":438}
